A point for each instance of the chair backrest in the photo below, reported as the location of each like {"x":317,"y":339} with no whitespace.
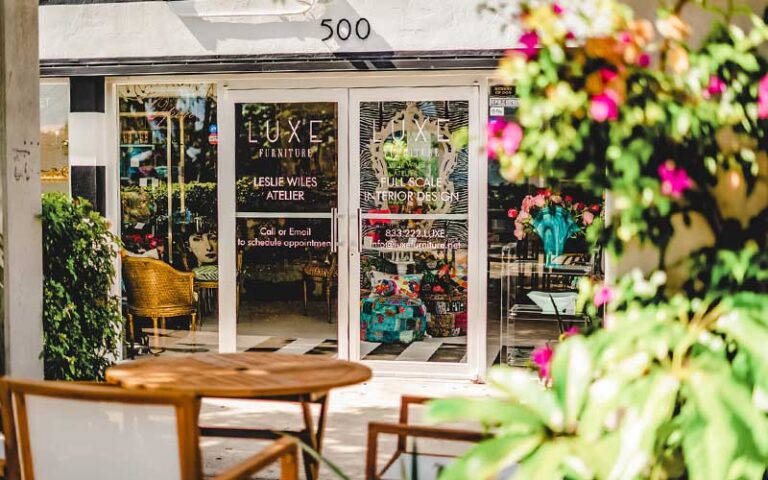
{"x":64,"y":431}
{"x":151,"y":283}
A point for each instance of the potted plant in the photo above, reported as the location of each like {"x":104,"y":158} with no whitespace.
{"x":674,"y":384}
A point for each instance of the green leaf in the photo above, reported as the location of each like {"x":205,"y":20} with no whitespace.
{"x":647,"y":405}
{"x":520,"y":386}
{"x":544,"y":464}
{"x":572,"y":371}
{"x":491,"y":456}
{"x":507,"y":416}
{"x":724,"y":429}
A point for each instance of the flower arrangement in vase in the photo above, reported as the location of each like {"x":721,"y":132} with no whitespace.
{"x":554,"y":218}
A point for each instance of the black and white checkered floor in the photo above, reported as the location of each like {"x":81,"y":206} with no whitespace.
{"x":180,"y":342}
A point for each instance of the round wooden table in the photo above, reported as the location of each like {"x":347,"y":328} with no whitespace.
{"x":254,"y":376}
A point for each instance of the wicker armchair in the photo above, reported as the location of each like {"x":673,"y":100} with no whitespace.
{"x":157,"y":291}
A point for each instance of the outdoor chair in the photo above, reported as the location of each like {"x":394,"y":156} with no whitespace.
{"x":401,"y":465}
{"x":63,"y":431}
{"x":325,"y":273}
{"x":157,"y":291}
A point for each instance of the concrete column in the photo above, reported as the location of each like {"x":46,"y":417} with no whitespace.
{"x":20,"y":190}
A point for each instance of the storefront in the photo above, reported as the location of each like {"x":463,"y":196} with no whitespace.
{"x":324,"y":180}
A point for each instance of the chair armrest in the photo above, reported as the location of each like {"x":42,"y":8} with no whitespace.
{"x":408,"y":400}
{"x":285,"y":449}
{"x":404,"y":430}
{"x":405,"y":402}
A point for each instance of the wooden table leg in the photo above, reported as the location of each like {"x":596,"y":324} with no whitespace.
{"x":311,"y":436}
{"x":314,"y":438}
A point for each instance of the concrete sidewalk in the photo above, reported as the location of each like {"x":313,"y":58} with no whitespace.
{"x":350,"y":410}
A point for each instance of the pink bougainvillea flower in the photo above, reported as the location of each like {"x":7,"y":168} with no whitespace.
{"x":608,"y":75}
{"x":644,"y":60}
{"x":603,"y":296}
{"x":511,"y":138}
{"x":588,"y":218}
{"x":568,"y":199}
{"x":674,"y":180}
{"x":495,"y":126}
{"x":571,"y":332}
{"x":604,"y":106}
{"x":512,"y":213}
{"x":716,"y":86}
{"x":625,"y":37}
{"x":557,"y":9}
{"x":494,"y":146}
{"x":762,"y":98}
{"x":542,"y":358}
{"x":529,"y":41}
{"x":539,"y":200}
{"x":494,"y":143}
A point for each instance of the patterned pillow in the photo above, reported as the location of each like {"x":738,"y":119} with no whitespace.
{"x":385,"y":284}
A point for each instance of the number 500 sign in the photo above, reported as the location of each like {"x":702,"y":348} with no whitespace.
{"x":343,"y":28}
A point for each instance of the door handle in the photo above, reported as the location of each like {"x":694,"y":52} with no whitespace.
{"x":334,"y":230}
{"x":359,"y":238}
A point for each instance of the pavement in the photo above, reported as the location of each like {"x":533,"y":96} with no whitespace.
{"x":350,"y":410}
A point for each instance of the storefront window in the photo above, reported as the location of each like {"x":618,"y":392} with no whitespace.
{"x":168,"y":140}
{"x":413,"y":199}
{"x":54,"y":157}
{"x":538,"y":249}
{"x":287,"y":164}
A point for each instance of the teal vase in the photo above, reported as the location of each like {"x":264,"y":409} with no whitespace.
{"x":554,"y":225}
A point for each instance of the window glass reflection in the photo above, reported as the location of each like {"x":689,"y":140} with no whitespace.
{"x":54,"y":147}
{"x":539,"y":247}
{"x":414,"y":169}
{"x":168,"y":141}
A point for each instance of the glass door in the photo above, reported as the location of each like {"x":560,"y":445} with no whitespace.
{"x":286,"y":262}
{"x":413,"y":252}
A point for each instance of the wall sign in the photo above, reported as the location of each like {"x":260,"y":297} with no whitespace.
{"x":343,"y":28}
{"x":502,"y":101}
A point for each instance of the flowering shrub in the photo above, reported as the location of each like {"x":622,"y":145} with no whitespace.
{"x":674,"y":385}
{"x":142,"y":242}
{"x":546,"y":199}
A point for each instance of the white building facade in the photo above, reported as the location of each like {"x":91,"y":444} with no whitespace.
{"x":318,"y":164}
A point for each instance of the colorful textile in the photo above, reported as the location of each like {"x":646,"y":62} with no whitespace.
{"x":448,"y":314}
{"x":447,"y":325}
{"x":386,"y":284}
{"x":392,"y":319}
